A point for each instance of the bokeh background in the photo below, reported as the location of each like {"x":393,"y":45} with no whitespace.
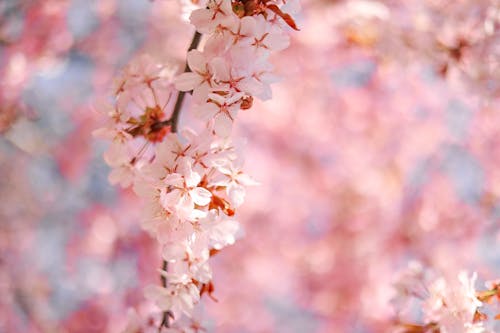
{"x":381,"y":145}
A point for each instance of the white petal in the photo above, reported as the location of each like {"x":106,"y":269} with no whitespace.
{"x":246,"y":180}
{"x":248,"y":25}
{"x":191,"y":177}
{"x":201,"y":19}
{"x":185,"y":207}
{"x":201,"y":196}
{"x":251,"y":86}
{"x":200,"y":93}
{"x":196,"y":61}
{"x":224,"y":233}
{"x":220,"y":68}
{"x":234,"y":98}
{"x":236,"y":194}
{"x":226,"y":7}
{"x":205,"y":111}
{"x":277,"y":42}
{"x":173,"y":252}
{"x":174,"y":179}
{"x":223,"y":125}
{"x":187,"y":81}
{"x":171,"y":199}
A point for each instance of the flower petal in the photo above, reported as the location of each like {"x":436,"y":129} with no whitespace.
{"x":201,"y":196}
{"x":187,"y":81}
{"x":223,"y":125}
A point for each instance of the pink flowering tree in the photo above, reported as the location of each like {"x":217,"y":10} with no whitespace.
{"x":130,"y":130}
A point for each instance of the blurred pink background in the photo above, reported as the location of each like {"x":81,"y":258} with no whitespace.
{"x":381,"y":145}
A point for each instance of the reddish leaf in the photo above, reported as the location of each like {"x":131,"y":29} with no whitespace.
{"x":286,"y":17}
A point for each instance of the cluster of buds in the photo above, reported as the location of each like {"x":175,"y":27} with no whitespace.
{"x":192,"y":182}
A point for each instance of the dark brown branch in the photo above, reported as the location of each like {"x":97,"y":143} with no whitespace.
{"x":165,"y":320}
{"x":173,"y":121}
{"x":180,"y":98}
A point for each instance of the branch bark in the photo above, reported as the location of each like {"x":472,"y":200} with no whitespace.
{"x":174,"y":119}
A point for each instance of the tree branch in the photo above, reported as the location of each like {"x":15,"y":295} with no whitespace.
{"x":165,"y":320}
{"x":174,"y":119}
{"x":173,"y":122}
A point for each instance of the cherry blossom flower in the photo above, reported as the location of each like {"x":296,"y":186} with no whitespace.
{"x":219,"y":12}
{"x":222,"y":110}
{"x":182,"y":193}
{"x":200,"y":79}
{"x":178,"y":297}
{"x":448,"y":304}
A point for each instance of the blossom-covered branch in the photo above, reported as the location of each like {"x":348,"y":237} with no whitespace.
{"x":193,"y":182}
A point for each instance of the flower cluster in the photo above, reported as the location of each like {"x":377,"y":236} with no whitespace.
{"x":135,"y":123}
{"x":233,"y":67}
{"x":448,"y":304}
{"x":192,"y":190}
{"x":460,"y":41}
{"x":192,"y":182}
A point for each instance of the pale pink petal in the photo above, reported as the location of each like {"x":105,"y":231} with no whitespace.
{"x":226,"y":7}
{"x":205,"y":111}
{"x":174,"y":179}
{"x":201,"y":196}
{"x":251,"y":86}
{"x":191,"y":177}
{"x":223,"y":125}
{"x":236,"y":194}
{"x":277,"y":42}
{"x":234,"y":98}
{"x":200,"y":93}
{"x":201,"y":19}
{"x":246,"y":180}
{"x":224,"y":233}
{"x":196,"y":61}
{"x":173,"y":252}
{"x":187,"y":81}
{"x":185,"y":207}
{"x":221,"y":69}
{"x":217,"y":98}
{"x":248,"y":26}
{"x":170,"y":199}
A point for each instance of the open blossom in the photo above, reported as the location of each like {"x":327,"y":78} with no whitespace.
{"x":218,"y":13}
{"x":181,"y":193}
{"x":178,"y":297}
{"x":234,"y":180}
{"x":200,"y":79}
{"x":222,"y":111}
{"x":451,"y":305}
